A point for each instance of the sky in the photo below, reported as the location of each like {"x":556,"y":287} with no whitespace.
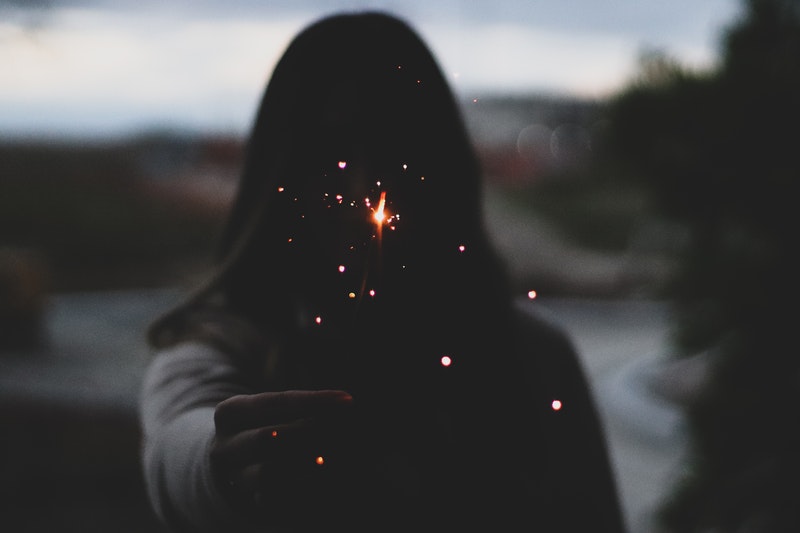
{"x":98,"y":68}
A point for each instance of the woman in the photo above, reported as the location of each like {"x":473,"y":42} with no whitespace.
{"x":356,"y":361}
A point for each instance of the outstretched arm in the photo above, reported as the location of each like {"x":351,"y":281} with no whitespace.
{"x":180,"y":391}
{"x":217,"y":455}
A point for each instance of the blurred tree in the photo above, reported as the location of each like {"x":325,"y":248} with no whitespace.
{"x":718,"y":151}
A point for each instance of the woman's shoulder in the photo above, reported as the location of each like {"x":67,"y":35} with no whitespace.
{"x":538,"y":331}
{"x":545,"y":350}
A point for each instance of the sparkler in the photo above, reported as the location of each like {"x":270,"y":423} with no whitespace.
{"x":379,"y":218}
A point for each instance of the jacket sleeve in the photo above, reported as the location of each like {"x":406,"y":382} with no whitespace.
{"x":179,"y":393}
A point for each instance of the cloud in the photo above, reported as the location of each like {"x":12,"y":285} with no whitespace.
{"x":205,"y":65}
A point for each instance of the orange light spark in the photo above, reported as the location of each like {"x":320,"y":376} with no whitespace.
{"x":274,"y":433}
{"x":342,"y":164}
{"x":532,"y":295}
{"x":320,"y":460}
{"x":318,"y":319}
{"x":379,"y":215}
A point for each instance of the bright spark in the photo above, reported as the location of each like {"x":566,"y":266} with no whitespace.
{"x":379,"y":216}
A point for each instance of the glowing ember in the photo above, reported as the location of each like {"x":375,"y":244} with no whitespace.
{"x":320,"y":460}
{"x":379,"y":216}
{"x":274,"y":433}
{"x":461,"y":248}
{"x":446,"y":361}
{"x":342,"y":164}
{"x":372,"y":292}
{"x":532,"y":295}
{"x":280,"y":189}
{"x":318,"y":319}
{"x":405,"y":167}
{"x":351,"y":295}
{"x":290,"y":239}
{"x":341,"y":268}
{"x":556,"y":405}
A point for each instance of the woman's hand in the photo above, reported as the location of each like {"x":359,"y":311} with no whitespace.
{"x":265,"y":444}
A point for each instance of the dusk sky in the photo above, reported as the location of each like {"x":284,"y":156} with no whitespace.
{"x":98,"y":67}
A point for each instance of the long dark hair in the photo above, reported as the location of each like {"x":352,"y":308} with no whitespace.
{"x":411,"y":123}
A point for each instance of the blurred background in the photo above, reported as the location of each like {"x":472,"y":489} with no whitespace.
{"x":641,"y":168}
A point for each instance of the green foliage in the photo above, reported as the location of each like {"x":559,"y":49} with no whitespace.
{"x":90,"y":212}
{"x":592,"y":212}
{"x":718,"y":151}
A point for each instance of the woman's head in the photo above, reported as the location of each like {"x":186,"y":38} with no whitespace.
{"x":357,"y":84}
{"x":357,"y":118}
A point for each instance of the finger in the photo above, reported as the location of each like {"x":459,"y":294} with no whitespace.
{"x":245,"y":486}
{"x":274,"y":408}
{"x":274,"y":471}
{"x":264,"y":444}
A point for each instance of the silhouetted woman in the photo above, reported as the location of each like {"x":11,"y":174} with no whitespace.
{"x":356,"y":362}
